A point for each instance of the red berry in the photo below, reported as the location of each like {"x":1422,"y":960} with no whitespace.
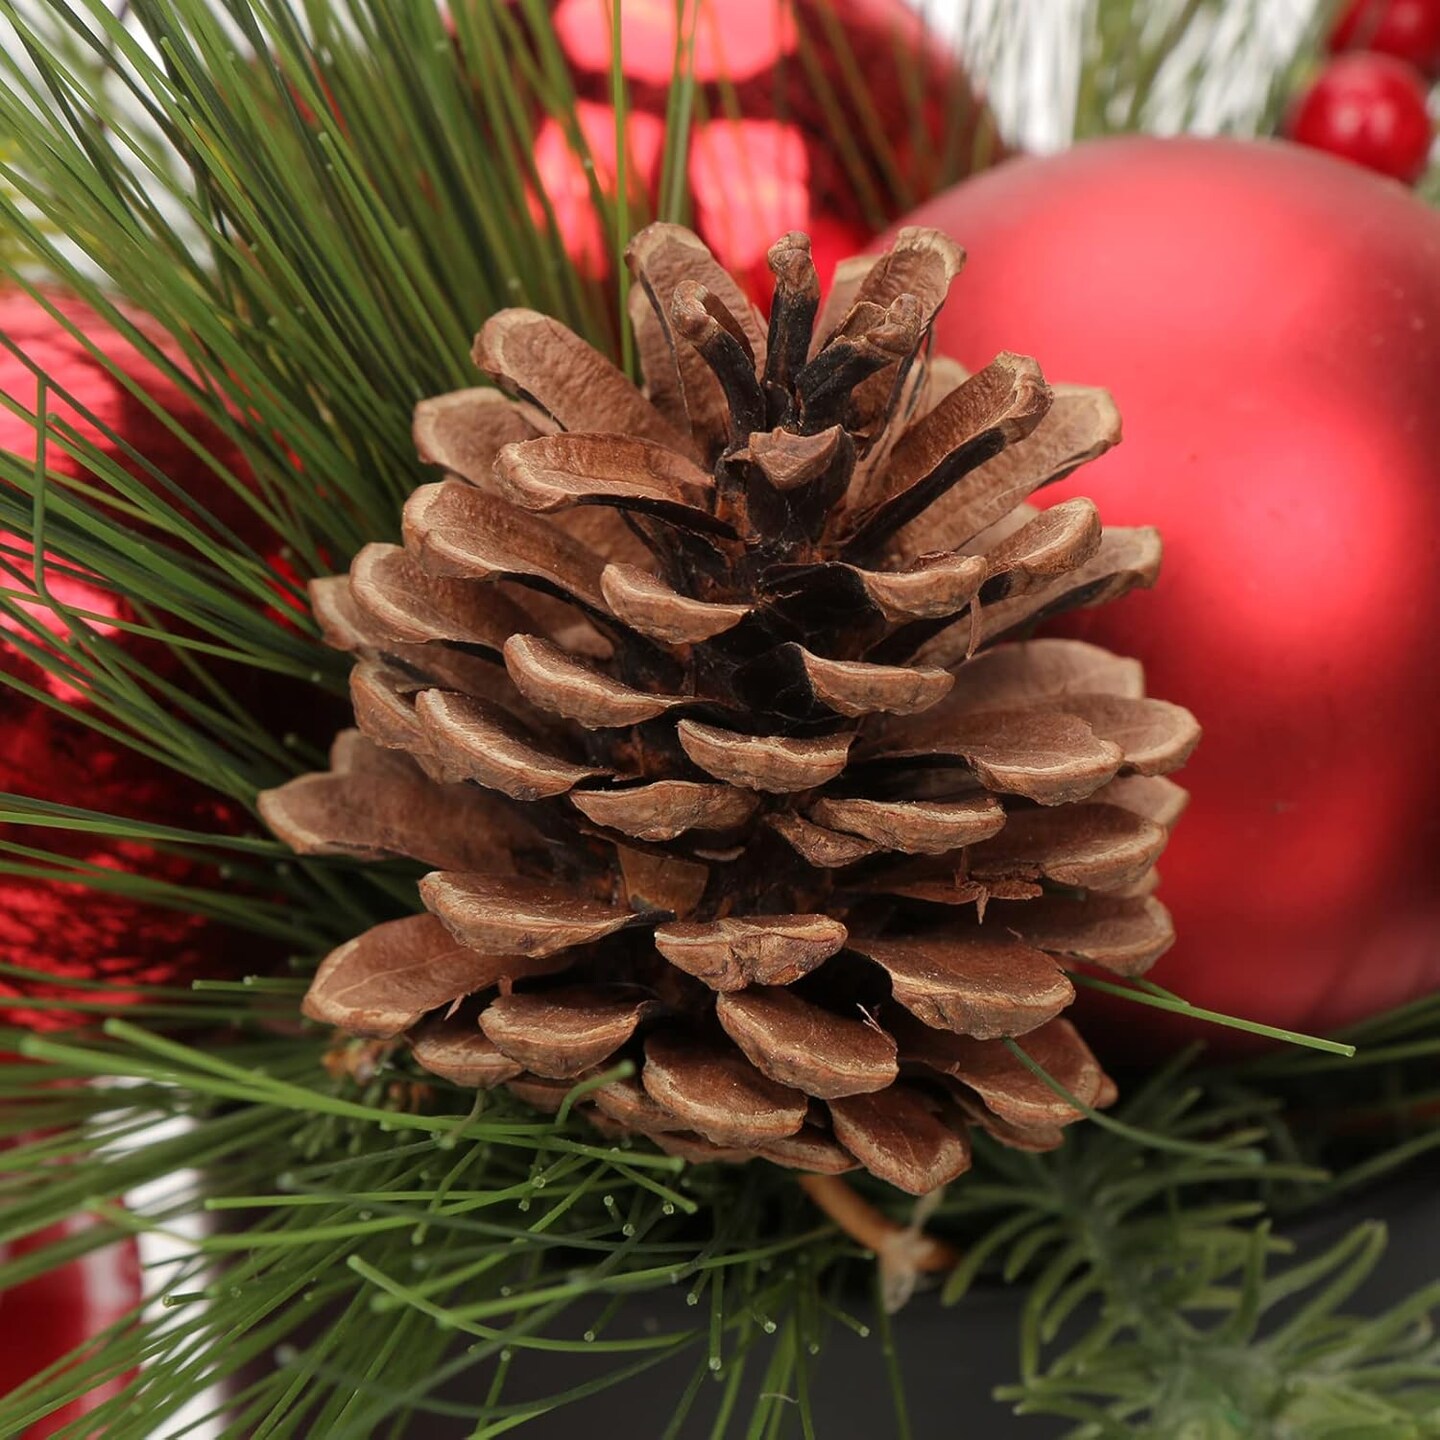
{"x":1369,"y":109}
{"x":1406,"y":29}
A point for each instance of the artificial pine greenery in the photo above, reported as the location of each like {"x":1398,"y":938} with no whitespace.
{"x":319,"y":201}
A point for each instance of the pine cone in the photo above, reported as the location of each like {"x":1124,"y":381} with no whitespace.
{"x":706,"y":705}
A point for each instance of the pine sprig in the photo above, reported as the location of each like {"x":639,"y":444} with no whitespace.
{"x":522,"y":1228}
{"x":1153,"y":1305}
{"x":1368,"y":1117}
{"x":1158,"y":1369}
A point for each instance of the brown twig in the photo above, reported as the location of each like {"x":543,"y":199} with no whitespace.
{"x":903,"y":1250}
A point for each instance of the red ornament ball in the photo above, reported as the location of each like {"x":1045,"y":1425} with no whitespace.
{"x":1269,"y":323}
{"x":85,"y":396}
{"x":47,"y":1317}
{"x":1407,"y":29}
{"x":1370,"y":109}
{"x":776,"y":81}
{"x":64,"y":930}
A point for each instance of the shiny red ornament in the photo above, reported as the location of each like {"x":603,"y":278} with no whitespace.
{"x":46,"y":1318}
{"x":1269,"y":322}
{"x":567,"y":179}
{"x":776,"y":83}
{"x":1407,"y":29}
{"x":1370,"y":109}
{"x":83,"y":395}
{"x":63,"y":930}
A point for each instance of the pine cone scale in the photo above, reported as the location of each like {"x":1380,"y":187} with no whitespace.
{"x":475,"y":740}
{"x":969,"y":982}
{"x":900,"y":1135}
{"x":564,"y":1032}
{"x":803,"y":1046}
{"x":387,"y":980}
{"x":455,"y":530}
{"x":508,"y":915}
{"x":974,"y":423}
{"x":667,"y":809}
{"x":538,"y":360}
{"x":718,"y":1093}
{"x":456,"y":1050}
{"x":732,"y":953}
{"x":650,"y":608}
{"x":776,"y":764}
{"x":464,"y":431}
{"x":1080,"y":425}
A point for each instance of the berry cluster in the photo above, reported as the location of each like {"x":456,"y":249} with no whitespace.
{"x":1369,"y":103}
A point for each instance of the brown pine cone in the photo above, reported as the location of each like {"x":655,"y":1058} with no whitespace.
{"x":708,"y":705}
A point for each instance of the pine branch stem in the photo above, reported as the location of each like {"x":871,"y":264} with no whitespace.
{"x":872,"y":1229}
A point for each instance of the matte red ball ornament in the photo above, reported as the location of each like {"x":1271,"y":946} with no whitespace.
{"x":776,"y":81}
{"x":1370,"y":109}
{"x":1269,"y":322}
{"x":1407,"y":29}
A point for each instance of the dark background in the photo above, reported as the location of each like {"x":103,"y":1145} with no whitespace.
{"x":952,"y":1358}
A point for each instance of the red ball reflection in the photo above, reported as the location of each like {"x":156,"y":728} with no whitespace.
{"x":777,"y":81}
